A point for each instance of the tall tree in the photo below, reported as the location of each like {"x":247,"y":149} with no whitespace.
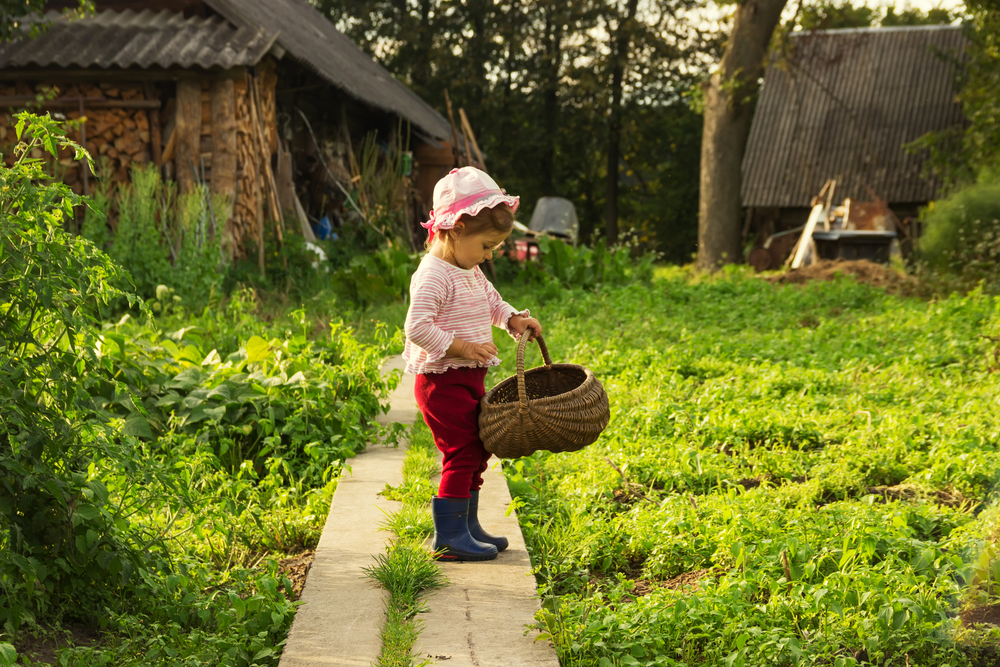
{"x":729,"y":94}
{"x":621,"y":38}
{"x":538,"y":81}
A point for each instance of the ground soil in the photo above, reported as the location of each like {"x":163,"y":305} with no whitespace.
{"x":42,"y":647}
{"x":985,"y":615}
{"x":980,"y":651}
{"x":869,"y":273}
{"x":296,"y":569}
{"x":911,"y":494}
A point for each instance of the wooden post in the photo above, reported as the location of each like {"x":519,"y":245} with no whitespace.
{"x":83,"y":142}
{"x":187,"y":133}
{"x":467,"y":128}
{"x":155,"y":141}
{"x":264,"y":158}
{"x":454,"y":134}
{"x":224,"y":150}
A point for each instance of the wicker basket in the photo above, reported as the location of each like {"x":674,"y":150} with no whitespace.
{"x":558,"y":407}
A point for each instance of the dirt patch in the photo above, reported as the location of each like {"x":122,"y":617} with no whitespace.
{"x":863,"y":271}
{"x":985,"y":615}
{"x":43,"y":646}
{"x":912,"y":494}
{"x":690,"y":579}
{"x":296,"y":569}
{"x":629,"y":493}
{"x":643,"y":586}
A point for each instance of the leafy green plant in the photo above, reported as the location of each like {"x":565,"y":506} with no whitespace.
{"x":153,"y":469}
{"x":374,"y":278}
{"x":62,"y":537}
{"x":767,"y":492}
{"x":962,"y":235}
{"x":163,"y":238}
{"x":561,"y":265}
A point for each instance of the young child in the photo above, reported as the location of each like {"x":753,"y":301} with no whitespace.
{"x":449,"y":346}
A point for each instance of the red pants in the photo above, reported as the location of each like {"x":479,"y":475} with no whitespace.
{"x":449,"y":402}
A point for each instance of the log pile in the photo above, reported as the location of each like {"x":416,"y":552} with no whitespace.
{"x":217,"y":123}
{"x":256,"y":197}
{"x":115,"y":137}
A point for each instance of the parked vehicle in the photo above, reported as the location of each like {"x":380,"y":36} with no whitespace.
{"x":553,"y":216}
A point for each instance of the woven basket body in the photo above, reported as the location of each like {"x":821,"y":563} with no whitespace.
{"x":557,"y":407}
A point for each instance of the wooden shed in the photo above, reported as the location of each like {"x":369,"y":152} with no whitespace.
{"x":843,"y":104}
{"x":224,"y":92}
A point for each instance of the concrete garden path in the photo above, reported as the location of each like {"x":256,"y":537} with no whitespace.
{"x":478,"y":620}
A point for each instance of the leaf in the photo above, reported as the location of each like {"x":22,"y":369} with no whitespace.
{"x":257,"y":350}
{"x":8,"y":655}
{"x":215,"y":414}
{"x":186,"y":379}
{"x":137,"y":426}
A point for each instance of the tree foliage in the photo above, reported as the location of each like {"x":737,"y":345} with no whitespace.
{"x":13,"y":12}
{"x":536,"y":79}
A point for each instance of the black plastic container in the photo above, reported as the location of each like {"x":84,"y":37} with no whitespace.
{"x":852,"y":244}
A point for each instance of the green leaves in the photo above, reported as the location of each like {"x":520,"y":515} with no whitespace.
{"x":759,"y":517}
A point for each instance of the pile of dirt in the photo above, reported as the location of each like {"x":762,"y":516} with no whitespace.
{"x":868,"y":273}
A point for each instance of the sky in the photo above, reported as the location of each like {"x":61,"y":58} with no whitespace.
{"x":711,"y":14}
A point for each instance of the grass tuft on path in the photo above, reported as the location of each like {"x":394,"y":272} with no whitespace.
{"x":406,"y":570}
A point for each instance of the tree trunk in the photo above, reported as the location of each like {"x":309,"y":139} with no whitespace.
{"x":619,"y":55}
{"x":553,"y":55}
{"x":421,"y":69}
{"x":728,"y":109}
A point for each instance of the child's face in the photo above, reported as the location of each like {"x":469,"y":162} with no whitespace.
{"x":473,"y":249}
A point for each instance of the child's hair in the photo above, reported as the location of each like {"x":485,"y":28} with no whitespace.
{"x":498,"y":219}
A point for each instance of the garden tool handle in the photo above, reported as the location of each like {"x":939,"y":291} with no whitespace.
{"x":526,"y":337}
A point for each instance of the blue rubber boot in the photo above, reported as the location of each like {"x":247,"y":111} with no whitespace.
{"x":476,"y":530}
{"x":451,"y":532}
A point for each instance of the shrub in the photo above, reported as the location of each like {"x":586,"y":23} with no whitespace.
{"x":962,"y":235}
{"x":562,"y":265}
{"x":163,"y":238}
{"x":59,"y":535}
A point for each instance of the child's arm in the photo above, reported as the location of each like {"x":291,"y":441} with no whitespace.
{"x":428,"y":294}
{"x":504,"y":315}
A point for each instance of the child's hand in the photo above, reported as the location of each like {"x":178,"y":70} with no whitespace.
{"x":520,"y":324}
{"x":481,"y":352}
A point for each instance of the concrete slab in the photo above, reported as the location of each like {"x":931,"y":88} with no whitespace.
{"x":480,"y":619}
{"x":477,"y":621}
{"x":340,"y":621}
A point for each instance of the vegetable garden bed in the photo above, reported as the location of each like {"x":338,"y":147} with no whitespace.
{"x":792,"y":476}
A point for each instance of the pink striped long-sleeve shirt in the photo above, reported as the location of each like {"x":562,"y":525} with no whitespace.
{"x":448,"y":302}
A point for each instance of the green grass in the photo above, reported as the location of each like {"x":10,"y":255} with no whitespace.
{"x":407,"y":570}
{"x":818,"y":463}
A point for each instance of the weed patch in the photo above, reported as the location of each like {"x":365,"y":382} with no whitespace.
{"x":781,"y":493}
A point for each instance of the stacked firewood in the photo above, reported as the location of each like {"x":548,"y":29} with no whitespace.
{"x":256,"y":200}
{"x":115,"y":137}
{"x":248,"y":208}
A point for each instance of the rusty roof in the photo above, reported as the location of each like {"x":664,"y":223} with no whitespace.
{"x":143,"y":39}
{"x":842,"y":105}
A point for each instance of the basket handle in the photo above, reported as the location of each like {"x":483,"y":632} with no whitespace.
{"x":527,"y":337}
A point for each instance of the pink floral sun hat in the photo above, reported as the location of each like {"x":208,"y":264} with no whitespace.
{"x":464,"y":191}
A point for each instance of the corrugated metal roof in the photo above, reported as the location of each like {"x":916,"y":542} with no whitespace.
{"x":842,"y":105}
{"x":310,"y":38}
{"x":143,"y":39}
